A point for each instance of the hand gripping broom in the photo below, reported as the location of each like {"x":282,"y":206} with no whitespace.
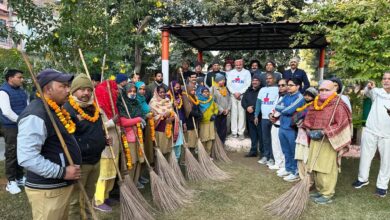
{"x":204,"y":159}
{"x":133,"y":205}
{"x":59,"y":135}
{"x":164,"y":197}
{"x":292,"y":203}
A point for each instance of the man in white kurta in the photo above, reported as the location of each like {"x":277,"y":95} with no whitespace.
{"x":375,"y":136}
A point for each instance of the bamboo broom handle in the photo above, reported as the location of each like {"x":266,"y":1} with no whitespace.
{"x":103,"y":66}
{"x":58,"y":132}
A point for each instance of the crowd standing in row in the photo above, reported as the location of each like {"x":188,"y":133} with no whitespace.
{"x":293,"y":127}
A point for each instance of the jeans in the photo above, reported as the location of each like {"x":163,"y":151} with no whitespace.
{"x":12,"y":169}
{"x":287,"y":140}
{"x":266,"y":126}
{"x":255,"y":135}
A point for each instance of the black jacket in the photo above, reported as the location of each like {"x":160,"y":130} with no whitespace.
{"x":90,"y":136}
{"x":197,"y":114}
{"x":249,"y":99}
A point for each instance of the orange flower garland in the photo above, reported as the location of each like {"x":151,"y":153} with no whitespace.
{"x":141,"y":140}
{"x":152,"y":131}
{"x":180,"y":98}
{"x":168,"y":127}
{"x":129,"y":162}
{"x":194,"y":101}
{"x":62,"y":114}
{"x":304,"y":107}
{"x":76,"y":107}
{"x":326,"y":102}
{"x":223,"y":90}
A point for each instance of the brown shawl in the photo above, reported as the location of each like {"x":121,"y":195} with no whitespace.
{"x":339,"y":132}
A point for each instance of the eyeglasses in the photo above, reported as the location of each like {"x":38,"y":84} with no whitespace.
{"x":282,"y":85}
{"x":291,"y":85}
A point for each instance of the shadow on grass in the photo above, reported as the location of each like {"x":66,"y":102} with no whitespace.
{"x":243,"y":197}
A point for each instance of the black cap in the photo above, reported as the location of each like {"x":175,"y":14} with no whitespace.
{"x":48,"y":75}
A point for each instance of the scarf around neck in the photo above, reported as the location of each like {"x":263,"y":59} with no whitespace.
{"x":205,"y":102}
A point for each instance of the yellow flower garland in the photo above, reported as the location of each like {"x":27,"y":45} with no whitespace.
{"x":304,"y":107}
{"x":129,"y":161}
{"x":152,"y":131}
{"x":141,"y":140}
{"x":326,"y":102}
{"x":180,"y":98}
{"x":207,"y":101}
{"x":168,"y":127}
{"x":62,"y":114}
{"x":223,"y":91}
{"x":77,"y":107}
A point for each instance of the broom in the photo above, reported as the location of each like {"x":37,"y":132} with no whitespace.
{"x":292,"y":203}
{"x":204,"y":159}
{"x":173,"y":163}
{"x":58,"y":132}
{"x":218,"y":152}
{"x":164,"y":197}
{"x":133,"y":205}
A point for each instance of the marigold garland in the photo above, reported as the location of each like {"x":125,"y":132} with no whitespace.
{"x":223,"y":90}
{"x":77,"y":107}
{"x":194,"y":101}
{"x":141,"y":140}
{"x":207,"y":101}
{"x":62,"y":114}
{"x":152,"y":131}
{"x":180,"y":99}
{"x":304,"y":107}
{"x":129,"y":160}
{"x":326,"y":102}
{"x":168,"y":127}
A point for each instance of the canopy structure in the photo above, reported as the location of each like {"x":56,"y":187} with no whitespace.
{"x":240,"y":36}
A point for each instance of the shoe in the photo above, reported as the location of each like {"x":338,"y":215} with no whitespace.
{"x":323,"y":200}
{"x":274,"y":167}
{"x":13,"y":188}
{"x":251,"y":155}
{"x":263,"y":160}
{"x":281,"y":170}
{"x":314,"y":195}
{"x":143,"y":180}
{"x":140,"y":185}
{"x":357,"y":184}
{"x":380,"y":192}
{"x":284,"y":173}
{"x":270,"y":162}
{"x":110,"y":202}
{"x":103,"y":207}
{"x":291,"y":178}
{"x":241,"y":137}
{"x":234,"y":136}
{"x":21,"y":181}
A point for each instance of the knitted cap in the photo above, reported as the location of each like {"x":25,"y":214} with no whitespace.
{"x":311,"y":91}
{"x":256,"y":76}
{"x":81,"y":81}
{"x":120,"y":78}
{"x":219,"y":77}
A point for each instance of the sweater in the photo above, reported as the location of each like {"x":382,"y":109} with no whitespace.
{"x":223,"y":102}
{"x":378,"y":121}
{"x":238,"y":81}
{"x":287,"y":106}
{"x":17,"y":102}
{"x":299,"y":74}
{"x":266,"y":101}
{"x":212,"y":110}
{"x":249,"y":99}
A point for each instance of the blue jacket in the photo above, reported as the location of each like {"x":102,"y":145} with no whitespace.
{"x":287,"y":106}
{"x":18,"y":102}
{"x":299,"y":74}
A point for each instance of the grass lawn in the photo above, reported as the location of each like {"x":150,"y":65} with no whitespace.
{"x":243,"y":197}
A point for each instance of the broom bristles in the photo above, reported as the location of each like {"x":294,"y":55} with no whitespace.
{"x":194,"y":170}
{"x":131,"y":207}
{"x":205,"y":162}
{"x":168,"y":176}
{"x":218,"y":152}
{"x":164,"y":197}
{"x":176,"y":169}
{"x":292,"y":203}
{"x":129,"y":183}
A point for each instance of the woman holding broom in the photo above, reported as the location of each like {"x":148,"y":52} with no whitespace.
{"x":210,"y":110}
{"x":107,"y":173}
{"x":222,"y":98}
{"x":166,"y":121}
{"x":131,"y":122}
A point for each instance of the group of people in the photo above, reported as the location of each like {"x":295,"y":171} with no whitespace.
{"x":293,"y":127}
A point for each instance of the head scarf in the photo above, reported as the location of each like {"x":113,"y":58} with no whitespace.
{"x":141,"y":99}
{"x":205,"y":102}
{"x":103,"y":97}
{"x":131,"y":104}
{"x":187,"y":103}
{"x":326,"y":84}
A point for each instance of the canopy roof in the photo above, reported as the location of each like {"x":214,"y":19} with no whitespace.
{"x":244,"y":36}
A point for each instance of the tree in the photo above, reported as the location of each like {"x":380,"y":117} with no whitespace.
{"x":359,"y":35}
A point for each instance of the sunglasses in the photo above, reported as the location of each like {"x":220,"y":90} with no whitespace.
{"x":282,"y":85}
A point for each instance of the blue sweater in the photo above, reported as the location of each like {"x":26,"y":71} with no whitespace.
{"x":299,"y":74}
{"x":287,"y":106}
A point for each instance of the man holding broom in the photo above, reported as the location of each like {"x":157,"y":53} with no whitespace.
{"x":50,"y":178}
{"x":90,"y":136}
{"x":328,"y":123}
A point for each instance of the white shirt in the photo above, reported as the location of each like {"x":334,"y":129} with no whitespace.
{"x":238,"y":81}
{"x":378,"y":121}
{"x":5,"y":107}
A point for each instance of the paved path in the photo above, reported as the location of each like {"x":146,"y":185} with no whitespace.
{"x":2,"y":148}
